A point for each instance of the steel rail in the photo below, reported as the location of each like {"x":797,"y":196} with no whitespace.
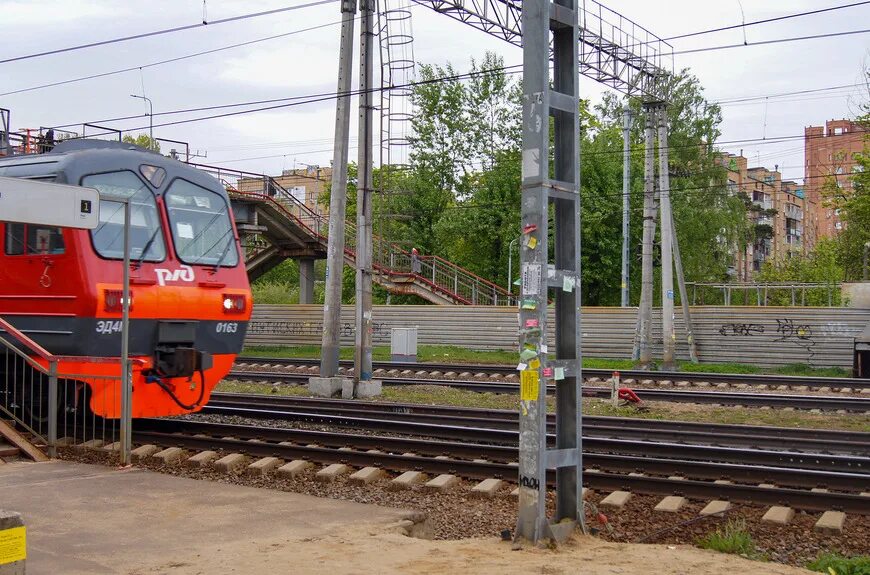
{"x":730,"y":378}
{"x":795,"y":401}
{"x":821,"y":440}
{"x":197,"y":436}
{"x":817,"y":461}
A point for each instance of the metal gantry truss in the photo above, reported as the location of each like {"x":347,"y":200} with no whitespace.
{"x":613,"y":49}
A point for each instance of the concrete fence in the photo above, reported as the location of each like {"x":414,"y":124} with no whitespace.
{"x":766,"y":336}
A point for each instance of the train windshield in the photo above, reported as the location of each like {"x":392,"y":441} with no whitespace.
{"x":146,"y":239}
{"x":201,"y":226}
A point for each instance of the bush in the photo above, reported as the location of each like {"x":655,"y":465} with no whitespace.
{"x":732,"y":538}
{"x":834,"y":564}
{"x":273,"y":293}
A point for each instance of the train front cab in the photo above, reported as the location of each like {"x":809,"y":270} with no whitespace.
{"x":190,"y":299}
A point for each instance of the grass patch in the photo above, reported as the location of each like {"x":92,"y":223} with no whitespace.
{"x":835,"y":564}
{"x":462,"y":355}
{"x":230,"y":386}
{"x":733,"y":538}
{"x":792,"y":369}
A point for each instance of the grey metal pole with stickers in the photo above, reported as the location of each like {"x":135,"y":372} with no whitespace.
{"x":539,"y":191}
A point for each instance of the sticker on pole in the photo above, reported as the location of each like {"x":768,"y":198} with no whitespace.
{"x":529,"y":385}
{"x":13,"y":545}
{"x":531,"y":279}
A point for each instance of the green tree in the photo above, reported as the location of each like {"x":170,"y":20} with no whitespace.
{"x":822,"y":265}
{"x":709,"y":221}
{"x":142,"y":140}
{"x":855,"y":213}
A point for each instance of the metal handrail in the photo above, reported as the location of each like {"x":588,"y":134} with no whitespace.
{"x":31,"y":355}
{"x":444,"y":276}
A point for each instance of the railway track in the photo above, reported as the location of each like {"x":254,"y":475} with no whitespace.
{"x":667,"y":467}
{"x":752,"y":398}
{"x":468,"y":422}
{"x":629,"y":377}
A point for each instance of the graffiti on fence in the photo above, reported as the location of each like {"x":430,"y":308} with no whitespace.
{"x":799,"y":334}
{"x":838,"y":329}
{"x":740,"y":329}
{"x":311,"y":329}
{"x":787,"y":331}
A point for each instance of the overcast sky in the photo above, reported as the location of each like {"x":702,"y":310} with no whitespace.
{"x":306,"y":63}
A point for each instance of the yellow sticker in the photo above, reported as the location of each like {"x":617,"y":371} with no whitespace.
{"x":13,"y":545}
{"x":532,"y":242}
{"x":529,"y":385}
{"x":535,"y":363}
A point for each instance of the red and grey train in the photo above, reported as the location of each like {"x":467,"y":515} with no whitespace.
{"x":190,"y":299}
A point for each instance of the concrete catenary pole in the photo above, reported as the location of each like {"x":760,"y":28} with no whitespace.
{"x":669,"y":337}
{"x":363,"y":312}
{"x":626,"y":212}
{"x":338,"y":199}
{"x":644,"y":319}
{"x":684,"y":297}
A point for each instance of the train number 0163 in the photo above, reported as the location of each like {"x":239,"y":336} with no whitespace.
{"x":227,"y":327}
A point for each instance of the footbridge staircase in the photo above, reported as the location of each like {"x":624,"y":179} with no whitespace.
{"x":275,"y":225}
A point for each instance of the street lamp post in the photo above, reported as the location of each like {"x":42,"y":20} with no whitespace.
{"x":150,"y":117}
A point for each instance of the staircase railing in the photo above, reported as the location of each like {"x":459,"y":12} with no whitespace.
{"x":436,"y":274}
{"x":45,"y":394}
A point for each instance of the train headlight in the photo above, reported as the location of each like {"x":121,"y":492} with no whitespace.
{"x":234,"y":303}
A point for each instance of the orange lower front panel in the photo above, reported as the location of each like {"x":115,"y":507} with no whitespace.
{"x":149,"y":399}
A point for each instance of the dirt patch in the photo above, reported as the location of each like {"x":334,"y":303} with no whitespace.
{"x":369,"y":550}
{"x":458,"y":515}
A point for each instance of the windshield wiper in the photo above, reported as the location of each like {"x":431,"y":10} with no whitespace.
{"x":147,"y":247}
{"x":224,"y":253}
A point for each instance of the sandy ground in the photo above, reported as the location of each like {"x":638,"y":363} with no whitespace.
{"x":363,"y":551}
{"x":89,"y":519}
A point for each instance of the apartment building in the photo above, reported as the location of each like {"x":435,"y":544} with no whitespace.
{"x":776,"y":215}
{"x":830,"y":154}
{"x":306,"y":185}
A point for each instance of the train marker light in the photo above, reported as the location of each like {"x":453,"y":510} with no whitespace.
{"x":113,"y":299}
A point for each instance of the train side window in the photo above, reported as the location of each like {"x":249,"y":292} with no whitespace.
{"x":30,"y":239}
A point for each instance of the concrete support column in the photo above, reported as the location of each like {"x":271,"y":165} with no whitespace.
{"x":306,"y":280}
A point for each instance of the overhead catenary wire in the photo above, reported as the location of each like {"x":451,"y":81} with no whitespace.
{"x":325,"y":96}
{"x":167,"y":31}
{"x":766,"y":20}
{"x":512,"y":69}
{"x":299,"y":100}
{"x":168,"y":60}
{"x":675,"y":191}
{"x":768,"y":42}
{"x":267,"y":38}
